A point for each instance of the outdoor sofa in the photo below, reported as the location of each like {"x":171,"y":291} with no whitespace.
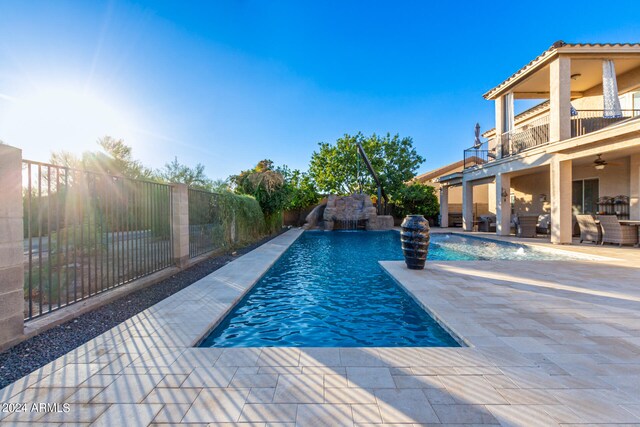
{"x":616,"y":233}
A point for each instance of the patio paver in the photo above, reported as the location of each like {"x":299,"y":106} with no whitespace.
{"x":550,"y":343}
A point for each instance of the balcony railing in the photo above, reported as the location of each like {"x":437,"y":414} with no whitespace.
{"x":478,"y":156}
{"x":587,"y":121}
{"x":524,"y":137}
{"x":536,"y":133}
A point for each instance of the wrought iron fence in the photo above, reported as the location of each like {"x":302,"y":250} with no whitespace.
{"x":87,"y":232}
{"x":206,"y":228}
{"x":587,"y":121}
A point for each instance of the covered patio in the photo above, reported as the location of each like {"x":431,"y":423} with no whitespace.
{"x":597,"y":181}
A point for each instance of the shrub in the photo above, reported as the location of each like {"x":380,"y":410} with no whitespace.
{"x":418,"y":199}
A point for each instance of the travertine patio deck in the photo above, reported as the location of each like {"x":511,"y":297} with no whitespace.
{"x":550,"y":343}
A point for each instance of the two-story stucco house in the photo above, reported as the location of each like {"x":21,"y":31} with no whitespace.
{"x":577,"y":151}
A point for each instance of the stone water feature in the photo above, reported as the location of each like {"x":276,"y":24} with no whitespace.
{"x":354,"y":212}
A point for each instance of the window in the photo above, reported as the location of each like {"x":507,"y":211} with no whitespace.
{"x":635,"y":103}
{"x":585,"y":194}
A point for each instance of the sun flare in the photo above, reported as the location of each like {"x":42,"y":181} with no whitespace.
{"x":59,"y":118}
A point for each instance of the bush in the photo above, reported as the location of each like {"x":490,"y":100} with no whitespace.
{"x":227,"y":219}
{"x":418,"y":199}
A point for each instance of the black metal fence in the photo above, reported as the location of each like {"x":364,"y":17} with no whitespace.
{"x":206,"y":226}
{"x":87,"y":232}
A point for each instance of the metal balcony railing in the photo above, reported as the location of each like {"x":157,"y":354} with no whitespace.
{"x":587,"y":121}
{"x":526,"y":136}
{"x":477,"y":156}
{"x":536,"y":133}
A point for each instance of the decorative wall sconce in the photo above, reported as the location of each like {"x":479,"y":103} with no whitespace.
{"x":504,"y":195}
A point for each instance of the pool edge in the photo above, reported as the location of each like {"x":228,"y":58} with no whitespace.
{"x":463,"y":342}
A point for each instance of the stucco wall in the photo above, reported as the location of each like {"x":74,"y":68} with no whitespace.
{"x":613,"y":180}
{"x":528,"y":189}
{"x":480,"y":195}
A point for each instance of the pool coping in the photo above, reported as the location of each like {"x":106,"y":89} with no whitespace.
{"x":502,"y":375}
{"x":211,"y":297}
{"x":540,"y":246}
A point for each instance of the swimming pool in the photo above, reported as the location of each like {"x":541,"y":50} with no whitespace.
{"x":328,"y":290}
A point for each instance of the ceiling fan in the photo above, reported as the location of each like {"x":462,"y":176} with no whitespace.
{"x":599,"y":163}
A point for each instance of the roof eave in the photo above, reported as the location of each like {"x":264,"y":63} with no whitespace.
{"x":521,"y":75}
{"x":556,"y":49}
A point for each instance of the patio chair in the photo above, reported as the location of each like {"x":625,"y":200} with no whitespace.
{"x":589,"y":229}
{"x":544,"y":224}
{"x":487,"y":223}
{"x":526,"y":225}
{"x":614,"y":232}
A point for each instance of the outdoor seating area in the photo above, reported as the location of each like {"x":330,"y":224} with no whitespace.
{"x":601,"y":229}
{"x":526,"y":225}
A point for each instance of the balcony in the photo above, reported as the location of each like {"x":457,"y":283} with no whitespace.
{"x":536,"y":133}
{"x":476,"y":156}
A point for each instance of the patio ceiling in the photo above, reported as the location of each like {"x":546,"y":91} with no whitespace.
{"x":617,"y":156}
{"x":532,"y":80}
{"x":588,"y":79}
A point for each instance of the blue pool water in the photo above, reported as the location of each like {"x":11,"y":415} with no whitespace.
{"x":328,"y":290}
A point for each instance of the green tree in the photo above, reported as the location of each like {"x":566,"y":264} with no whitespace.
{"x":177,"y":172}
{"x":266,"y":184}
{"x":302,"y":189}
{"x":338,"y":168}
{"x":220,"y":185}
{"x":418,"y":199}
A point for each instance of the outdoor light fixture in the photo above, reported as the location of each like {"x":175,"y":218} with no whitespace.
{"x":504,"y":194}
{"x":543,"y":198}
{"x":575,"y":76}
{"x":599,"y":163}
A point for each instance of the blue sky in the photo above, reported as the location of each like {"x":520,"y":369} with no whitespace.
{"x":228,"y":83}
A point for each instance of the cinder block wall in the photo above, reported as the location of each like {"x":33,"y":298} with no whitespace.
{"x":11,"y":247}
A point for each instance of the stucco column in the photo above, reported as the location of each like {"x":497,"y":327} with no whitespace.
{"x":491,"y":197}
{"x":467,"y":205}
{"x":561,"y":215}
{"x":11,"y":247}
{"x":503,"y":204}
{"x":560,"y":99}
{"x":634,"y":187}
{"x":180,"y":223}
{"x":444,"y":206}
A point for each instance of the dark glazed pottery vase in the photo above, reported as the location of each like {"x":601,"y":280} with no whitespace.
{"x":415,"y":241}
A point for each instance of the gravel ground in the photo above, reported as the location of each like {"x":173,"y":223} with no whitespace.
{"x":36,"y":352}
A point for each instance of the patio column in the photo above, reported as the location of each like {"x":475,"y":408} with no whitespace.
{"x":467,"y":205}
{"x":180,"y":223}
{"x":560,"y":99}
{"x":503,"y":204}
{"x":11,"y":247}
{"x":634,"y":176}
{"x":561,"y":214}
{"x":444,"y":206}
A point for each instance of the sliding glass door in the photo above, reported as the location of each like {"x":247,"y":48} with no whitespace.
{"x":585,"y":194}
